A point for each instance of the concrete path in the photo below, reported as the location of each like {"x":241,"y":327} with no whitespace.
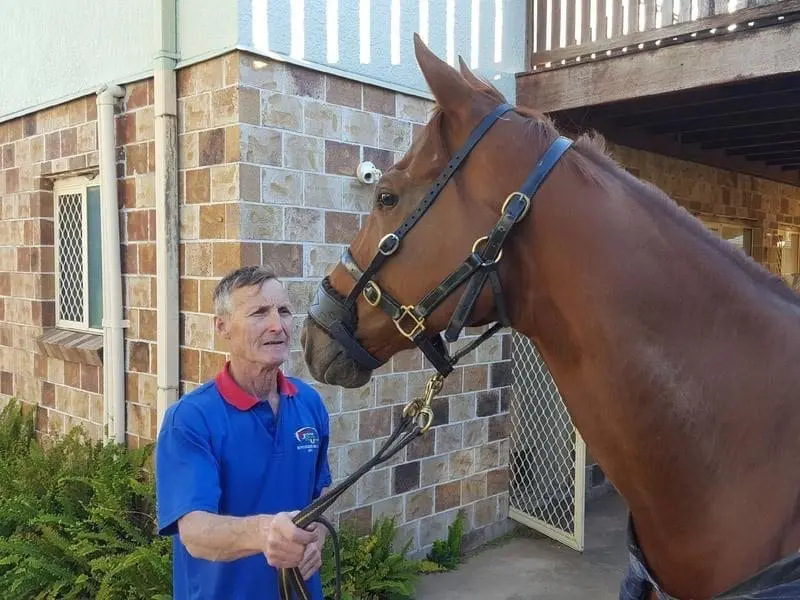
{"x":536,"y":568}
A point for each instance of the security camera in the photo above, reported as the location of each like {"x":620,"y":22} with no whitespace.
{"x":368,"y":173}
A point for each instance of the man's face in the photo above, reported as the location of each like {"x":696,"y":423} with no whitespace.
{"x":259,"y":327}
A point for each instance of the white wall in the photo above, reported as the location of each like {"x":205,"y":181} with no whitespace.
{"x":331,"y":34}
{"x":56,"y":50}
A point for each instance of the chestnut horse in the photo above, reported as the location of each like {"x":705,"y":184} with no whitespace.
{"x":674,"y":352}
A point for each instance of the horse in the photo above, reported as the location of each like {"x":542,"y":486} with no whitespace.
{"x":674,"y":352}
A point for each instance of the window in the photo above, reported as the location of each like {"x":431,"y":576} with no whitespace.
{"x":78,"y":254}
{"x":737,"y":235}
{"x":787,"y":246}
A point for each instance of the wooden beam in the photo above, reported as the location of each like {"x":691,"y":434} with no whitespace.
{"x":760,"y":15}
{"x":752,"y":141}
{"x":766,"y":116}
{"x":744,"y":130}
{"x":692,"y":153}
{"x":678,"y":112}
{"x":742,"y":149}
{"x":716,"y":61}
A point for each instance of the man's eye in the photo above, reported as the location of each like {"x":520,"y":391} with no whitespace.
{"x":387,"y":199}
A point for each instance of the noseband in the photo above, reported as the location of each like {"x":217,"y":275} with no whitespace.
{"x":337,"y":314}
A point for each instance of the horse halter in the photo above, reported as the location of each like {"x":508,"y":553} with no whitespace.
{"x":337,"y":314}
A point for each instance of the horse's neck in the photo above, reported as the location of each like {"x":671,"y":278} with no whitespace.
{"x":657,"y":342}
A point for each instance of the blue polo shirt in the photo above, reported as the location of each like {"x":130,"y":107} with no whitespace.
{"x":223,"y":451}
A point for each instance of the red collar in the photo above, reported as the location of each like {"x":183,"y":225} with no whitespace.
{"x":234,"y":395}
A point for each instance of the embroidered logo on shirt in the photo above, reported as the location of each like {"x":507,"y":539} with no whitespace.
{"x":307,"y":438}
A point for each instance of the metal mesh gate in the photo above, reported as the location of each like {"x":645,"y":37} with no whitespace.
{"x":547,"y":454}
{"x":70,"y":253}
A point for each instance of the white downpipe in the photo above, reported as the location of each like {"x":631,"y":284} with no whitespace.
{"x":113,"y":323}
{"x":166,"y":197}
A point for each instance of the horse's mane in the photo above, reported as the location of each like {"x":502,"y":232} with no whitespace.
{"x":591,"y":161}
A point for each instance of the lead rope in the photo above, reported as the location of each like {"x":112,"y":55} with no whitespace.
{"x":416,"y":420}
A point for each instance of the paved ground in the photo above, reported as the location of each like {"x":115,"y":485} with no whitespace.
{"x":533,"y":568}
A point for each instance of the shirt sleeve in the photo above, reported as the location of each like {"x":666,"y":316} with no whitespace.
{"x":186,"y":470}
{"x":324,"y":478}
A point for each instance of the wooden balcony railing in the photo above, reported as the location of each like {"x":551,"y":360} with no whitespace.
{"x":564,"y":32}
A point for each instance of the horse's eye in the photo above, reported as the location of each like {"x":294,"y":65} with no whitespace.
{"x":387,"y":199}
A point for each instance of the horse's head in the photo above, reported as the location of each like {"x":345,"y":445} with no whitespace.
{"x":393,"y":287}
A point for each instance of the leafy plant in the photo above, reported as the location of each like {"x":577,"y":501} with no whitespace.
{"x":447,"y":553}
{"x":77,"y":518}
{"x":370,"y":568}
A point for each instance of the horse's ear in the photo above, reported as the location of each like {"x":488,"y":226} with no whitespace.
{"x":469,"y":75}
{"x":447,"y":85}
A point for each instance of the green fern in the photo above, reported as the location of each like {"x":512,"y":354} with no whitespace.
{"x":447,"y":553}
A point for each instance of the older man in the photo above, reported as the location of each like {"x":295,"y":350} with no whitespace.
{"x":238,"y":456}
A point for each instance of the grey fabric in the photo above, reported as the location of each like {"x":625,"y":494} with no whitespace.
{"x":779,"y":581}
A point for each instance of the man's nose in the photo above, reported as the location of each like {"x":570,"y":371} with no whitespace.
{"x":273,"y":320}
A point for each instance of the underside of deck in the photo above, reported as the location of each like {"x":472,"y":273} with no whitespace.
{"x":730,"y":101}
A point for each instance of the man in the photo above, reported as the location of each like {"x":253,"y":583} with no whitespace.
{"x":238,"y":456}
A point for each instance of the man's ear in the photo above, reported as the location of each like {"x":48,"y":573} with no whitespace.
{"x":222,"y":327}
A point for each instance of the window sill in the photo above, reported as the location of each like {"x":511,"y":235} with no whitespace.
{"x":72,"y":346}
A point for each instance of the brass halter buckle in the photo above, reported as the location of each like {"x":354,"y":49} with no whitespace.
{"x":417,"y":324}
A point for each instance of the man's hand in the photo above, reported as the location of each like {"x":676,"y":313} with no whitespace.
{"x":312,"y":559}
{"x":286,"y":545}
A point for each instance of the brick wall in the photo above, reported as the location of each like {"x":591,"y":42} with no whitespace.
{"x":279,"y":188}
{"x":60,"y":371}
{"x":706,"y":191}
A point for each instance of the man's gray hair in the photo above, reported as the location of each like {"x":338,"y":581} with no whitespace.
{"x":254,"y":275}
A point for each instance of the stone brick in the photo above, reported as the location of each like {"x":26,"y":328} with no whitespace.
{"x":285,"y":259}
{"x":189,"y":222}
{"x":341,"y":158}
{"x":406,"y":477}
{"x":52,"y":147}
{"x":199,"y":330}
{"x":344,"y":428}
{"x":211,"y":363}
{"x":198,"y":259}
{"x":136,"y":160}
{"x":198,"y":185}
{"x":491,"y":350}
{"x":434,"y":470}
{"x":233,"y":146}
{"x":357,"y":196}
{"x":225,"y":183}
{"x":262,"y":73}
{"x":145,"y":125}
{"x":145,"y":196}
{"x":359,"y":520}
{"x":212,"y":221}
{"x":195,"y":113}
{"x":125,"y":127}
{"x":305,"y":82}
{"x":147,"y":259}
{"x":476,"y":433}
{"x":343,"y":91}
{"x":303,"y":224}
{"x":139,"y":356}
{"x":90,"y":378}
{"x":190,"y":364}
{"x":462,"y":463}
{"x":249,"y":183}
{"x":462,"y":407}
{"x":448,"y":438}
{"x":322,"y":120}
{"x":500,"y":374}
{"x":419,"y":504}
{"x":136,"y":95}
{"x":379,"y":100}
{"x":87,"y":137}
{"x":321,"y":260}
{"x":353,"y":456}
{"x":413,"y":109}
{"x":473,"y":488}
{"x":282,"y":111}
{"x":389,"y":508}
{"x":280,"y":186}
{"x":261,"y":222}
{"x":374,"y":423}
{"x":358,"y":398}
{"x":476,"y":377}
{"x":341,"y":228}
{"x":488,"y":403}
{"x":301,"y":293}
{"x":394,"y":134}
{"x":188,"y":151}
{"x":360,"y":127}
{"x":226,"y":257}
{"x":448,"y":495}
{"x":485,"y":511}
{"x":435,"y":527}
{"x":497,"y":481}
{"x":498,"y":427}
{"x":137,"y":225}
{"x":206,"y":295}
{"x":224,"y":106}
{"x":303,"y":153}
{"x":249,"y":106}
{"x":323,"y":191}
{"x":211,"y":145}
{"x":373,"y":486}
{"x":260,"y":146}
{"x":382,"y":159}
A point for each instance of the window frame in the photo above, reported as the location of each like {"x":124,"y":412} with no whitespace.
{"x":74,"y":185}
